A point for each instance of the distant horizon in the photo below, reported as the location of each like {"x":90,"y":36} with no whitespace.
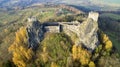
{"x":109,"y":5}
{"x":108,"y":2}
{"x":112,"y":1}
{"x":92,"y":2}
{"x":103,"y":2}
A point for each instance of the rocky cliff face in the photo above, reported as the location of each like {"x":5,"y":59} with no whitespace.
{"x":35,"y":34}
{"x":88,"y":34}
{"x":86,"y":31}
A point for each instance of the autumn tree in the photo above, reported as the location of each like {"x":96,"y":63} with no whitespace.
{"x":53,"y":64}
{"x":92,"y":64}
{"x":44,"y":55}
{"x":106,"y":41}
{"x":80,"y":54}
{"x":21,"y":54}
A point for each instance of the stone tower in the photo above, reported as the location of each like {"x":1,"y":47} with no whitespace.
{"x":93,"y":15}
{"x":32,"y":19}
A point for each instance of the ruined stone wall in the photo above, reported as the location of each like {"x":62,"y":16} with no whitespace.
{"x":55,"y":29}
{"x":72,"y":28}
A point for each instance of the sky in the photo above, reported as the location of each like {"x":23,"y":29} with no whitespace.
{"x":108,"y":2}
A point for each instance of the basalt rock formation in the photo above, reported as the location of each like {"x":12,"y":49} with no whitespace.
{"x":35,"y":34}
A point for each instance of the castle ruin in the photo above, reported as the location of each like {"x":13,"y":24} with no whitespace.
{"x":85,"y":31}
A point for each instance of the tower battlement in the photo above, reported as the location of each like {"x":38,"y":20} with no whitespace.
{"x":93,"y":15}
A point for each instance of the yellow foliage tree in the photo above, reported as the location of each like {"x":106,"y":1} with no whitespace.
{"x":21,"y":54}
{"x":53,"y":64}
{"x":80,"y":54}
{"x":106,"y":41}
{"x":108,"y":45}
{"x":92,"y":64}
{"x":44,"y":54}
{"x":74,"y":52}
{"x":104,"y":38}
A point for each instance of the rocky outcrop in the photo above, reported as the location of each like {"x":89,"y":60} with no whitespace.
{"x":88,"y":34}
{"x":35,"y":34}
{"x":86,"y":31}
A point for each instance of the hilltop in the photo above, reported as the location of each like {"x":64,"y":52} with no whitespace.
{"x":54,"y":36}
{"x":85,"y":31}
